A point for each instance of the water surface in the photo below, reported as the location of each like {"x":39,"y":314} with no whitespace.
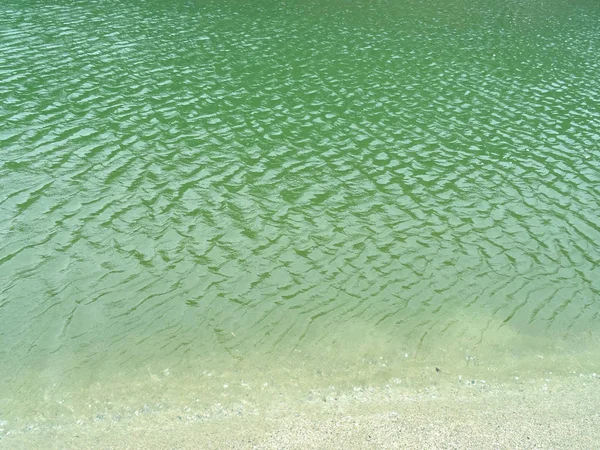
{"x":203,"y":196}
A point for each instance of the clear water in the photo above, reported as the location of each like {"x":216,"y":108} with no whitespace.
{"x":204,"y":196}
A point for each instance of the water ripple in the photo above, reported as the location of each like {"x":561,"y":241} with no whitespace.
{"x":183,"y":181}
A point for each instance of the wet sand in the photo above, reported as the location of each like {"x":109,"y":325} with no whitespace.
{"x":554,"y":413}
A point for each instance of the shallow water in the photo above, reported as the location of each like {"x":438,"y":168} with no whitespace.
{"x":293,"y":194}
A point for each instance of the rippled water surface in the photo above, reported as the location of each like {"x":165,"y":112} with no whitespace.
{"x":293,"y":192}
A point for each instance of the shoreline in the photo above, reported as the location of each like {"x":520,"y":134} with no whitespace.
{"x":558,"y":412}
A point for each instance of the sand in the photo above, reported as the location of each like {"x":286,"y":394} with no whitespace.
{"x":552,"y":413}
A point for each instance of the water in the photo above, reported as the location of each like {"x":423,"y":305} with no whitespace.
{"x":206,"y":197}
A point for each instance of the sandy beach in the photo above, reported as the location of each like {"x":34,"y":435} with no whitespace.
{"x":550,"y":413}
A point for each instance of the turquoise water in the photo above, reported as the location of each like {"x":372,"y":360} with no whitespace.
{"x":298,"y":193}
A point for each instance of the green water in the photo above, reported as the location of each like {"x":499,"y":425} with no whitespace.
{"x":236,"y":195}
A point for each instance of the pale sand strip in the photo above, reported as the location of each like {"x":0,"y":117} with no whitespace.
{"x":552,"y":414}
